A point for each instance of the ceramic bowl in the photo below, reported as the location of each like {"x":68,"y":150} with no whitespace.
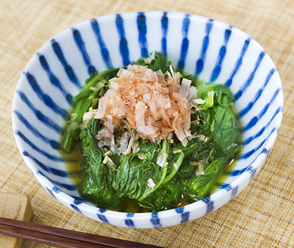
{"x":210,"y":49}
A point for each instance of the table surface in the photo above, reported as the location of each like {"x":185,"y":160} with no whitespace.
{"x":262,"y":215}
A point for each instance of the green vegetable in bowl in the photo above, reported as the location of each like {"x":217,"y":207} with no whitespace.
{"x":150,"y":135}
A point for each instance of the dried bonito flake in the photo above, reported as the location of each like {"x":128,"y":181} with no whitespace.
{"x":155,"y":105}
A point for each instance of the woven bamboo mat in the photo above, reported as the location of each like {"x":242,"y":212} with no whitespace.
{"x":261,"y":216}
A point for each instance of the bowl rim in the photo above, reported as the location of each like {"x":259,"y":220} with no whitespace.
{"x":242,"y":180}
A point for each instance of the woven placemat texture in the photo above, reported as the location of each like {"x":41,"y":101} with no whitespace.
{"x":260,"y":216}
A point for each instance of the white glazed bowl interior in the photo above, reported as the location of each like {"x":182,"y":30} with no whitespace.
{"x":212,"y":50}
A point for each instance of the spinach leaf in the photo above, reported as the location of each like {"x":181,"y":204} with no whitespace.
{"x":148,"y":149}
{"x":97,"y":185}
{"x":215,"y":94}
{"x":164,"y":197}
{"x":223,"y":96}
{"x":200,"y":186}
{"x":158,"y":63}
{"x":134,"y":175}
{"x":226,"y":130}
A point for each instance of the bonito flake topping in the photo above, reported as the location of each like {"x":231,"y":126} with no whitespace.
{"x":155,"y":105}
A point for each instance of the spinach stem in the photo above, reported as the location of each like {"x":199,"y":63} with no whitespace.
{"x":84,"y":91}
{"x":176,"y":167}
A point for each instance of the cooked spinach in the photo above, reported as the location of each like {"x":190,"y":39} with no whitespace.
{"x":86,"y":98}
{"x":158,"y":63}
{"x":183,"y":171}
{"x":97,"y":184}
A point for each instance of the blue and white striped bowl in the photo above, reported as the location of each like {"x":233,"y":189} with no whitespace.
{"x":212,"y":50}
